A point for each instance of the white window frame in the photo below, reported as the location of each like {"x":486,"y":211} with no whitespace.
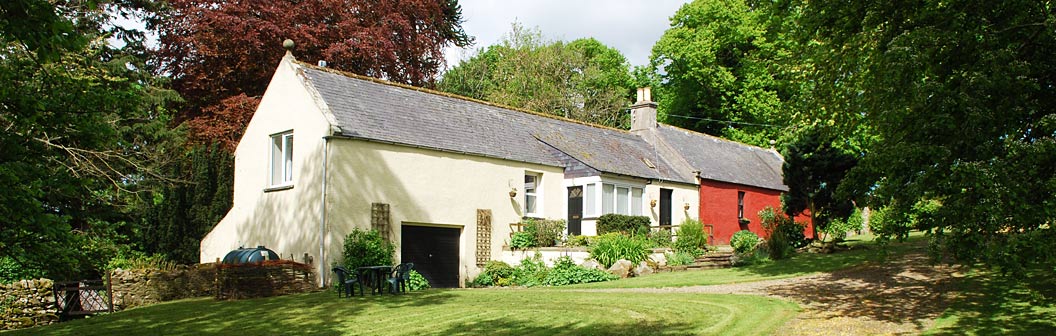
{"x":598,"y":208}
{"x":280,"y":159}
{"x":533,"y":192}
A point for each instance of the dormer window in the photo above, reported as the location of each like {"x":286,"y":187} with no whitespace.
{"x":281,"y":159}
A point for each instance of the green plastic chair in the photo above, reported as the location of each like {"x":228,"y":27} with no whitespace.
{"x":346,"y":282}
{"x":399,"y":277}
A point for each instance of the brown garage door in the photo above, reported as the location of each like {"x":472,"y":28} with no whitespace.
{"x":434,"y":252}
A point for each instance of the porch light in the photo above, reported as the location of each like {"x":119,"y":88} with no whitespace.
{"x":686,"y":206}
{"x":652,"y":203}
{"x":513,"y":192}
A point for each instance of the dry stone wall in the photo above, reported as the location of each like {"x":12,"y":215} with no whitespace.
{"x":141,"y":287}
{"x":27,"y":303}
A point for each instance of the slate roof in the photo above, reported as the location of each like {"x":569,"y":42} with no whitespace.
{"x":377,"y":111}
{"x":726,"y":161}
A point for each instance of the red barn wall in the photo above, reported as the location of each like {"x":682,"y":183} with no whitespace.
{"x":718,"y":207}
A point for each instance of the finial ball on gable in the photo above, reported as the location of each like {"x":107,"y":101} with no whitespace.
{"x":288,"y":44}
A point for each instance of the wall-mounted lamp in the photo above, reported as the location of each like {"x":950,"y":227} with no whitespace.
{"x":686,"y":206}
{"x":513,"y":192}
{"x":652,"y":203}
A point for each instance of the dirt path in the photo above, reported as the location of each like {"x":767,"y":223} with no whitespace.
{"x":897,"y":297}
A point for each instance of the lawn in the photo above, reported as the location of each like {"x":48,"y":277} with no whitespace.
{"x":988,"y":304}
{"x":992,"y":304}
{"x":861,"y":249}
{"x":447,"y":312}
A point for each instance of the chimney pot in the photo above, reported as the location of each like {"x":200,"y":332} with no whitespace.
{"x":643,"y":112}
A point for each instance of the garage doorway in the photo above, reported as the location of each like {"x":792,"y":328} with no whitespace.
{"x":434,"y":252}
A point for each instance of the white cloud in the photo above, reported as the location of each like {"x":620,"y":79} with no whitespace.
{"x":631,"y":26}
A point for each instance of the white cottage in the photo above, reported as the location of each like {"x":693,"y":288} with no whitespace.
{"x":442,"y":176}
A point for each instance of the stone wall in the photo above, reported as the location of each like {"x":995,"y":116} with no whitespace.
{"x":27,"y":303}
{"x":30,"y":303}
{"x":142,"y":287}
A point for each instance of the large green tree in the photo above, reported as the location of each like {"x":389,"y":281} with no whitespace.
{"x":583,"y":79}
{"x":80,"y":119}
{"x":813,"y":169}
{"x":961,"y":96}
{"x":726,"y":68}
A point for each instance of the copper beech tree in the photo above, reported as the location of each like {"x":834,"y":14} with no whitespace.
{"x":221,"y":54}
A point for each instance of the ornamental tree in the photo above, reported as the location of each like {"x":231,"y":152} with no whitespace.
{"x":215,"y":50}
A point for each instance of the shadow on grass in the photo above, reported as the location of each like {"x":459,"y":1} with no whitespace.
{"x":525,"y":327}
{"x":854,"y":253}
{"x":309,"y":313}
{"x":993,"y":304}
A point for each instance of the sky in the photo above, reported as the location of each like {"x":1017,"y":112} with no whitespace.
{"x":630,"y":26}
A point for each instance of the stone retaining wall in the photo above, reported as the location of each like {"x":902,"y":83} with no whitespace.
{"x":27,"y":303}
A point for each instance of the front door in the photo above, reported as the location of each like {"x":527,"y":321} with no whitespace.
{"x":575,"y":210}
{"x":665,"y":206}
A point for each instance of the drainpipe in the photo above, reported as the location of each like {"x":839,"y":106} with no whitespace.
{"x":322,"y":219}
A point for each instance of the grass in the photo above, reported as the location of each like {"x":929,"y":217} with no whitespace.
{"x":993,"y":304}
{"x":446,"y":312}
{"x":862,"y":250}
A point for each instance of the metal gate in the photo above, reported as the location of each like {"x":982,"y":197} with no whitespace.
{"x":83,"y":298}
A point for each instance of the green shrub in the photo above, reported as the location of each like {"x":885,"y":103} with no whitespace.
{"x":691,"y":238}
{"x":416,"y":281}
{"x":629,"y":225}
{"x":522,"y":240}
{"x":129,"y":260}
{"x":659,"y":238}
{"x":495,"y":273}
{"x":545,"y":232}
{"x":11,"y":271}
{"x":610,"y":247}
{"x":367,"y":248}
{"x":777,"y":245}
{"x":531,"y":272}
{"x":577,"y":241}
{"x":744,"y":241}
{"x":775,"y":221}
{"x":566,"y":272}
{"x":680,"y":258}
{"x":483,"y":280}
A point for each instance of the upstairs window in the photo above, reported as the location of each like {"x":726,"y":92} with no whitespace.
{"x":531,"y":195}
{"x":282,"y":159}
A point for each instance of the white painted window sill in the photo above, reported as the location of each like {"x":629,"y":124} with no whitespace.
{"x":278,"y":188}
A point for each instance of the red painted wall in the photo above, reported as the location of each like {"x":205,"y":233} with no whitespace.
{"x":718,"y":207}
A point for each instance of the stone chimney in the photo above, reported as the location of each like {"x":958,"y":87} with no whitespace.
{"x":643,"y":112}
